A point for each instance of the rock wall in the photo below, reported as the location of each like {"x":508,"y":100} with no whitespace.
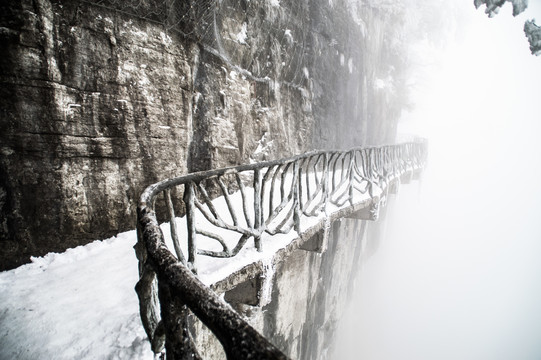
{"x":311,"y":291}
{"x":100,"y":98}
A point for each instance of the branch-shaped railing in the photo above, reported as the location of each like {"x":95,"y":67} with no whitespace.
{"x":224,"y":209}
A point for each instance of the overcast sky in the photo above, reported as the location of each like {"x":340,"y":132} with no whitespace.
{"x":458,"y":273}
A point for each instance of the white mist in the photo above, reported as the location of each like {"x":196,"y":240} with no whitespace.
{"x":458,"y":274}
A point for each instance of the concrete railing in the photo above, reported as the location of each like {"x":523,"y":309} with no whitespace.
{"x":226,"y":208}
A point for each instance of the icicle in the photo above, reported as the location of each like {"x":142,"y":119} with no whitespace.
{"x":265,"y":294}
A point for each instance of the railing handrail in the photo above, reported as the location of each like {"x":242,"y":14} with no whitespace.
{"x":315,"y":183}
{"x":156,"y":188}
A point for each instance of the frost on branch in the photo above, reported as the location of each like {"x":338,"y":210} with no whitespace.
{"x":493,"y":6}
{"x":533,"y":33}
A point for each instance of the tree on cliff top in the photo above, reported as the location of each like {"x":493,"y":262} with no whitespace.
{"x":532,"y":31}
{"x":493,"y":6}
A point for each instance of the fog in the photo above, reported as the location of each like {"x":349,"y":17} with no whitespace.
{"x":458,"y":271}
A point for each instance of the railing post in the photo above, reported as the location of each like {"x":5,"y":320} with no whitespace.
{"x":296,"y":201}
{"x":189,"y":199}
{"x":300,"y":187}
{"x":178,"y":342}
{"x":351,"y":177}
{"x":325,"y":185}
{"x":257,"y":209}
{"x":146,"y":289}
{"x":173,"y":225}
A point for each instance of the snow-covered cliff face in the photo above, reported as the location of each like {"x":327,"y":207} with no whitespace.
{"x":100,"y":98}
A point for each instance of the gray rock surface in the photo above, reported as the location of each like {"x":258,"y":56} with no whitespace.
{"x":101,"y":98}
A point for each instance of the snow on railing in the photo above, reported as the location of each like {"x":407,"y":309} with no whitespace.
{"x":224,"y":209}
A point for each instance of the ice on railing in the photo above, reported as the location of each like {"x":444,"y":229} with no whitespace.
{"x":214,"y":269}
{"x":280,"y":199}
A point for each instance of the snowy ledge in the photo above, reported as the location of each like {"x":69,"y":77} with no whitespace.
{"x":207,"y":237}
{"x":222,"y":275}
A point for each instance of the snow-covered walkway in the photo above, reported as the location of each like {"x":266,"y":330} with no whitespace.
{"x":76,"y":305}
